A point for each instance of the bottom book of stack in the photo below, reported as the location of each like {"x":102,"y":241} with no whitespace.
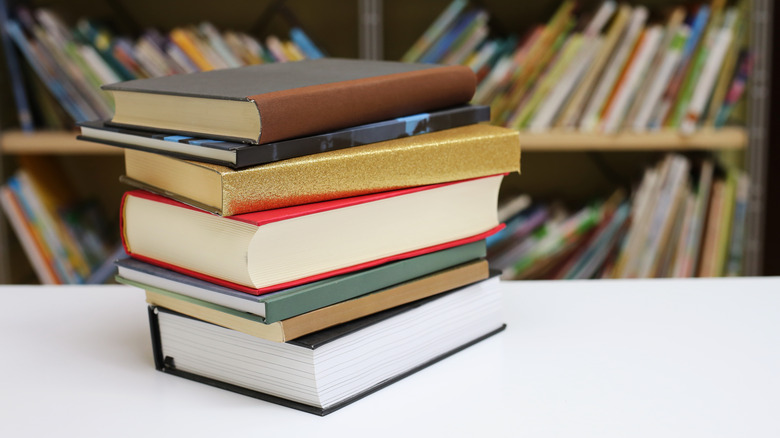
{"x":328,"y":369}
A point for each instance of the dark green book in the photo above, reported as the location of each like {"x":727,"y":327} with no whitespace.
{"x":287,"y":303}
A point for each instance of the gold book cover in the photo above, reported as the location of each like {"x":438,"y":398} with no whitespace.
{"x":450,"y":155}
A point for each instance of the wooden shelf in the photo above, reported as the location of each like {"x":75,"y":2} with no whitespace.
{"x":51,"y":142}
{"x":730,"y":138}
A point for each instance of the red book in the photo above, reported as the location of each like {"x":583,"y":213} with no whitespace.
{"x":274,"y":249}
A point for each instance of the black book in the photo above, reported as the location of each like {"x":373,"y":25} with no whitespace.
{"x":329,"y":369}
{"x":241,"y":155}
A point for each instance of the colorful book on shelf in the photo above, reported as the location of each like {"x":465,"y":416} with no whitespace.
{"x":665,"y":106}
{"x":709,"y":249}
{"x":435,"y":30}
{"x":32,"y":242}
{"x":450,"y":41}
{"x":271,"y":102}
{"x":669,"y":31}
{"x":726,"y":224}
{"x":633,"y":74}
{"x":275,"y":249}
{"x":283,"y":304}
{"x":242,"y":155}
{"x":689,"y":257}
{"x":534,"y":62}
{"x":611,"y":74}
{"x":572,"y":110}
{"x":736,"y":245}
{"x":45,"y":70}
{"x":736,"y":89}
{"x":72,"y":230}
{"x":17,"y":80}
{"x":307,"y":46}
{"x":654,"y":89}
{"x":552,"y":105}
{"x":422,"y":332}
{"x":321,"y":317}
{"x":692,"y":110}
{"x":448,"y":155}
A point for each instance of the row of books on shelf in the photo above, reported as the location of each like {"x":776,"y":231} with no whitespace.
{"x":67,"y":240}
{"x":73,"y":62}
{"x":683,"y":220}
{"x":616,"y":68}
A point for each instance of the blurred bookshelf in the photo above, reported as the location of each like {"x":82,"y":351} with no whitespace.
{"x":16,"y":142}
{"x":387,"y":30}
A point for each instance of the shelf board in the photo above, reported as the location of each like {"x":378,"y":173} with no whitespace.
{"x":14,"y":142}
{"x":729,"y":138}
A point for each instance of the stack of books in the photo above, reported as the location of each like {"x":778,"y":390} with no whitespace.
{"x":307,"y":233}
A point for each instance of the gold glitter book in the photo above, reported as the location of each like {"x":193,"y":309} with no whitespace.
{"x":450,"y":155}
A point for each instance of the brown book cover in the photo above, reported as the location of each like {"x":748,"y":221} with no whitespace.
{"x":449,"y":155}
{"x":272,"y":102}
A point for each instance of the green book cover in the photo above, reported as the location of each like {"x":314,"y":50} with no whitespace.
{"x":287,"y":303}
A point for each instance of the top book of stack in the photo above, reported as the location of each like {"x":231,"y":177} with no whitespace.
{"x":271,"y":102}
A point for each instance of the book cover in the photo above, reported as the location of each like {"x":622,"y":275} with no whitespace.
{"x":242,"y":155}
{"x":323,"y":317}
{"x":448,"y":155}
{"x":276,"y":249}
{"x":432,"y":329}
{"x":294,"y":301}
{"x":34,"y":248}
{"x":271,"y":102}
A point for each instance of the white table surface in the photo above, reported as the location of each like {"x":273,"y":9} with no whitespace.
{"x":615,"y":358}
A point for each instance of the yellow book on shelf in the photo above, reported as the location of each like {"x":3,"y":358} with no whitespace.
{"x":709,"y":244}
{"x":184,"y":39}
{"x":568,"y":53}
{"x":573,"y":109}
{"x":726,"y":219}
{"x":534,"y":61}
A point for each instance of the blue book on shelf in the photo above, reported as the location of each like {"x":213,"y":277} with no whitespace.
{"x":15,"y":73}
{"x":299,"y":37}
{"x":440,"y":47}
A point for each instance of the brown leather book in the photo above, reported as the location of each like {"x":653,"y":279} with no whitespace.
{"x":271,"y":102}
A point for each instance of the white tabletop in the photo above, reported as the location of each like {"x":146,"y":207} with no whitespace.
{"x":617,"y":358}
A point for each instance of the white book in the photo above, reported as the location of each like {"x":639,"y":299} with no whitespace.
{"x":497,"y":76}
{"x":614,"y":67}
{"x":634,"y":74}
{"x":664,"y":214}
{"x":661,"y":80}
{"x":483,"y":55}
{"x":553,"y":103}
{"x":600,"y":18}
{"x":709,"y":74}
